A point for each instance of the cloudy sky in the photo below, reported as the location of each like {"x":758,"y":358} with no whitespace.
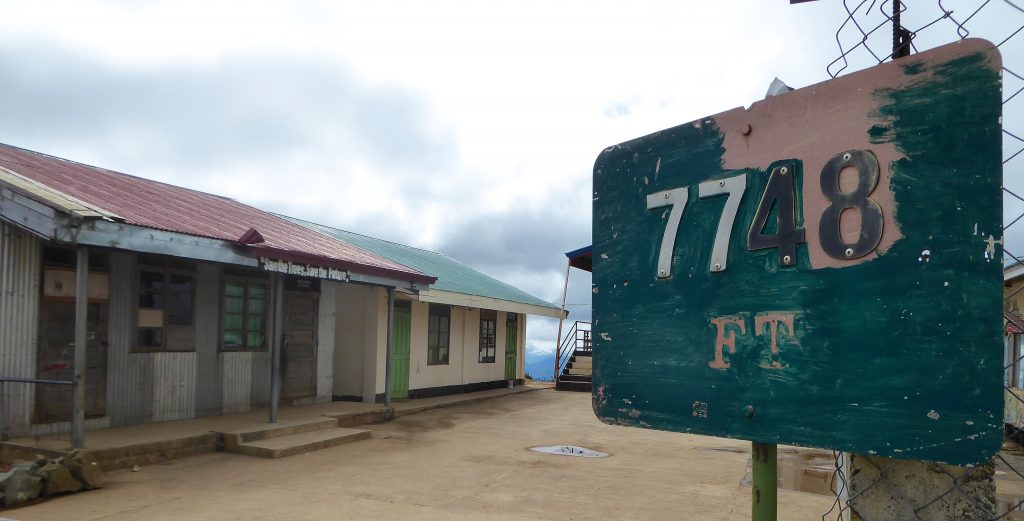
{"x":468,"y":128}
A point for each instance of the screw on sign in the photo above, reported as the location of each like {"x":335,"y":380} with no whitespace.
{"x":779,"y":291}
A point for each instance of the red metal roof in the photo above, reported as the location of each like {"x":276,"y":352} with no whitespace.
{"x":161,"y":206}
{"x":1014,"y":323}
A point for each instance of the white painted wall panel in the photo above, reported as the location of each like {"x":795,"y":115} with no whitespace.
{"x":174,"y":386}
{"x":325,"y":341}
{"x":237,"y":384}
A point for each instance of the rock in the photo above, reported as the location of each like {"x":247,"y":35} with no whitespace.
{"x":84,"y":468}
{"x":57,"y":479}
{"x":136,"y":468}
{"x":21,"y":484}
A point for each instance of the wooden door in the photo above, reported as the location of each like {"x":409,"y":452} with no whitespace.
{"x":299,"y":357}
{"x":55,"y":360}
{"x":511,"y":345}
{"x":402,"y":334}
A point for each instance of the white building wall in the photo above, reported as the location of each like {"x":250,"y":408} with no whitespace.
{"x":376,"y":345}
{"x":422,"y":375}
{"x":476,"y":371}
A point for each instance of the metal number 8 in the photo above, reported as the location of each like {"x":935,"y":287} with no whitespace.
{"x":871,"y":222}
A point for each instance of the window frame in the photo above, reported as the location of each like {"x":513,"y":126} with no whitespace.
{"x":246,"y":281}
{"x":434,"y":345}
{"x":488,"y":343}
{"x":167,"y":268}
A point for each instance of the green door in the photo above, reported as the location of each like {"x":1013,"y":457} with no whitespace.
{"x":400,"y":350}
{"x":511,"y":337}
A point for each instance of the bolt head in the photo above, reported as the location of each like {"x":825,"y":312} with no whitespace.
{"x":746,"y":129}
{"x":849,"y":252}
{"x":787,"y":260}
{"x":721,"y":183}
{"x":666,"y":195}
{"x":749,"y":411}
{"x":847,"y":156}
{"x":718,"y":266}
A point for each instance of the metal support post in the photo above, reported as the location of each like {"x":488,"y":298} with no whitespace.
{"x":561,"y":317}
{"x":765,"y":489}
{"x":81,"y":337}
{"x":391,"y":346}
{"x":278,"y":340}
{"x":3,"y":426}
{"x":900,"y":36}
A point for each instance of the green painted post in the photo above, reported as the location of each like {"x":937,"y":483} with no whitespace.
{"x":765,"y":489}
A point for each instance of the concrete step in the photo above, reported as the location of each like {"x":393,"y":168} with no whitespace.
{"x":575,"y":378}
{"x":265,"y":431}
{"x":283,"y":446}
{"x":579,"y":371}
{"x":580,"y":364}
{"x":563,"y":385}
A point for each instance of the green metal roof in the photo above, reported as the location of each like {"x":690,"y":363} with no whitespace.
{"x":451,"y":275}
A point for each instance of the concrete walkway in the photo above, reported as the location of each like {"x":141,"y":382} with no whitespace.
{"x":121,"y":447}
{"x":469,"y":462}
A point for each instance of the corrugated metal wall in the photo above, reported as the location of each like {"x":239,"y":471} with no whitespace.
{"x":141,"y":387}
{"x":237,"y":382}
{"x":174,"y":386}
{"x":19,"y":308}
{"x":261,"y":360}
{"x":130,"y":375}
{"x":208,"y":366}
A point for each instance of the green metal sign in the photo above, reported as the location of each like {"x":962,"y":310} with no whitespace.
{"x":821,"y":269}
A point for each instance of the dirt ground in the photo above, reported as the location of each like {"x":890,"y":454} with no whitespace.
{"x":464,"y":462}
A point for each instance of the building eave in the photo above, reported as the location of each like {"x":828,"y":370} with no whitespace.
{"x":476,"y":301}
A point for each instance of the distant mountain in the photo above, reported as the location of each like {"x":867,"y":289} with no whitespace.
{"x":540,"y":366}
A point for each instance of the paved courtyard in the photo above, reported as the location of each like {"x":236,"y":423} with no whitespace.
{"x":464,"y":462}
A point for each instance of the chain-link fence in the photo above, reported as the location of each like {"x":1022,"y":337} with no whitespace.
{"x":872,"y":488}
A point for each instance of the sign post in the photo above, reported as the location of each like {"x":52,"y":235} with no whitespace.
{"x":764,"y":469}
{"x":820,"y":269}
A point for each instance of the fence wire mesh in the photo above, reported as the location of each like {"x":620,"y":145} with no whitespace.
{"x":873,"y":488}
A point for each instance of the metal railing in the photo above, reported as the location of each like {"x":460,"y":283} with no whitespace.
{"x":576,"y":339}
{"x":3,"y":387}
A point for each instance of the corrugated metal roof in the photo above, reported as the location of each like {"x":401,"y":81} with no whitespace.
{"x":161,"y":206}
{"x":451,"y":274}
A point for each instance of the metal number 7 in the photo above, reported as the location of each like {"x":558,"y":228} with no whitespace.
{"x":734,"y":186}
{"x":676,"y":198}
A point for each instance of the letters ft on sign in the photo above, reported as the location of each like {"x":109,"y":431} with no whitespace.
{"x":769,"y":323}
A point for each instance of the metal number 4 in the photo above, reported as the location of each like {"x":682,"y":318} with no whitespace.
{"x":676,"y":198}
{"x":734,"y":186}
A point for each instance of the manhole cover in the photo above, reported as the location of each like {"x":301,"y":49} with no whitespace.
{"x":570,"y":450}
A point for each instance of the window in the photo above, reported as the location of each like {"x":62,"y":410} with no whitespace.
{"x":245,"y":313}
{"x":438,"y":327}
{"x":164,"y":321}
{"x":488,"y":335}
